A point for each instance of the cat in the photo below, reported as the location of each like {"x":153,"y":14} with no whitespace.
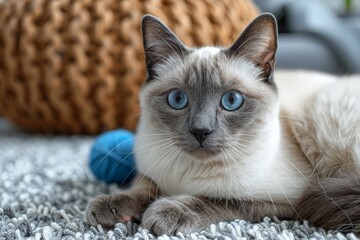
{"x":223,"y":136}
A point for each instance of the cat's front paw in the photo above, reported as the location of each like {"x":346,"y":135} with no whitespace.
{"x":169,"y":217}
{"x":109,"y":210}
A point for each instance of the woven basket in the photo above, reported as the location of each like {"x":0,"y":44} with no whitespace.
{"x":76,"y":66}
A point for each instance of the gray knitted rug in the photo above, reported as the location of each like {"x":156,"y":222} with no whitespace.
{"x":45,"y":185}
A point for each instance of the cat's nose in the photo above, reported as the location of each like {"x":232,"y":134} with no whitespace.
{"x":200,"y":134}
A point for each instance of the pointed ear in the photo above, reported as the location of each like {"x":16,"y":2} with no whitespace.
{"x":258,"y":43}
{"x":159,"y":42}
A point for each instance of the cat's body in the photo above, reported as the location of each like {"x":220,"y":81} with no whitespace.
{"x":218,"y":139}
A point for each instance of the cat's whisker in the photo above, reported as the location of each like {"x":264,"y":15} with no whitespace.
{"x":344,"y":226}
{"x":320,"y":173}
{"x":272,"y":201}
{"x":297,"y":169}
{"x":240,"y":171}
{"x":287,"y":199}
{"x":243,"y":137}
{"x":318,"y":164}
{"x":289,"y":117}
{"x":123,"y":142}
{"x":264,"y":184}
{"x":161,"y":146}
{"x":336,"y":204}
{"x":226,"y":162}
{"x":229,"y":159}
{"x":228,"y":166}
{"x":161,"y":160}
{"x":133,"y":117}
{"x":246,"y":150}
{"x":237,"y":153}
{"x":242,"y":158}
{"x":165,"y":131}
{"x":282,"y":189}
{"x":170,"y":144}
{"x":289,"y":171}
{"x":164,"y":159}
{"x":172,"y":159}
{"x":134,"y":169}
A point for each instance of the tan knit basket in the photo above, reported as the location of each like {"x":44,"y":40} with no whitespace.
{"x":76,"y":66}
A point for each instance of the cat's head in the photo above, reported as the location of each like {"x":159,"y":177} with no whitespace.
{"x":210,"y":99}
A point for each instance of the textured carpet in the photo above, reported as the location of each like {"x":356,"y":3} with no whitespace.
{"x":45,"y":185}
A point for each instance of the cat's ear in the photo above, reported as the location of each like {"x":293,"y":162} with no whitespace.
{"x":159,"y":42}
{"x":258,"y":43}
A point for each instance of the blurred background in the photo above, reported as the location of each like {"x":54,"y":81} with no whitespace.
{"x":320,"y":35}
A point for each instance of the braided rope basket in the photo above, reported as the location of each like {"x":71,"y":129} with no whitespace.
{"x":76,"y":66}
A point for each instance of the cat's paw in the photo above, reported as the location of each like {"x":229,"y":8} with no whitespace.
{"x":169,"y":217}
{"x":109,"y":210}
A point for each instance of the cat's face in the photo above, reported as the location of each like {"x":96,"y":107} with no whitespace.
{"x":210,"y":99}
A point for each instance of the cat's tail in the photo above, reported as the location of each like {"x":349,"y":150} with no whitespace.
{"x":332,"y":203}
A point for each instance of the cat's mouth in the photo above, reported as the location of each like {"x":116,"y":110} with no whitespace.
{"x":202,"y":153}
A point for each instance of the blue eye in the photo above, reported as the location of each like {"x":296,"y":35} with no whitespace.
{"x":232,"y":100}
{"x":177,"y":99}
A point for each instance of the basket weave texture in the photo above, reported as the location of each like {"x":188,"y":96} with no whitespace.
{"x":76,"y":66}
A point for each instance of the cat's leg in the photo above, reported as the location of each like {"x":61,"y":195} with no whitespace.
{"x":187,"y":214}
{"x":328,"y":130}
{"x":126,"y":206}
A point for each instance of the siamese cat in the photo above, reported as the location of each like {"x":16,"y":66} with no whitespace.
{"x":222,"y":137}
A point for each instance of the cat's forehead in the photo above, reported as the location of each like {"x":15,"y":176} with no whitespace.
{"x":208,"y":55}
{"x":206,"y":52}
{"x":213,"y":66}
{"x":207,"y":68}
{"x":202,"y":67}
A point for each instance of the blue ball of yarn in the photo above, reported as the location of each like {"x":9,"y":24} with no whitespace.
{"x":112,"y":158}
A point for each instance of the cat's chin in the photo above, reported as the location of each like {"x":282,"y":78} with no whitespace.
{"x":201,"y":153}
